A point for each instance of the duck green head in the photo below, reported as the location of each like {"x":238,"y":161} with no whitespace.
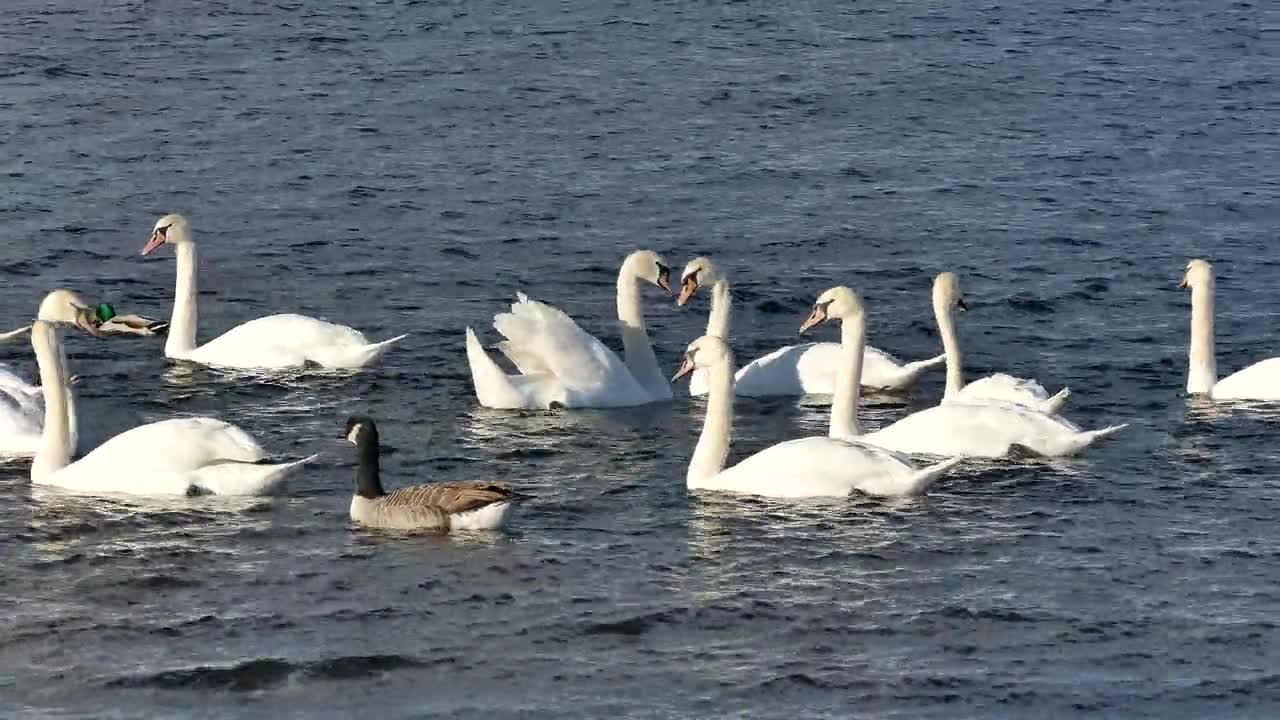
{"x":105,"y":312}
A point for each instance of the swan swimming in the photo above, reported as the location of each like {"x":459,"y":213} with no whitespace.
{"x":181,"y":456}
{"x":271,"y":342}
{"x":560,"y":364}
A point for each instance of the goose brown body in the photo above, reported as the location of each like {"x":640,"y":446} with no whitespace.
{"x":437,"y":507}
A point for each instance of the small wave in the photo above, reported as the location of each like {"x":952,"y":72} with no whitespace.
{"x":268,"y":673}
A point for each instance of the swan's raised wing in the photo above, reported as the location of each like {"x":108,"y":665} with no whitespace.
{"x":544,"y":336}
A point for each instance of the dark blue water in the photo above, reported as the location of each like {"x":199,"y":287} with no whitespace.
{"x":407,"y":166}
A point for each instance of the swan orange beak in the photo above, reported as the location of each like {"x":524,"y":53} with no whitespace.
{"x":664,"y":279}
{"x":817,"y":317}
{"x":687,"y":288}
{"x":685,"y":368}
{"x":1183,"y":285}
{"x":157,"y":239}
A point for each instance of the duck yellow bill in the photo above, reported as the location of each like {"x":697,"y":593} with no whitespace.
{"x":818,"y":316}
{"x":687,"y":289}
{"x":88,"y":322}
{"x":157,"y":239}
{"x":685,"y":368}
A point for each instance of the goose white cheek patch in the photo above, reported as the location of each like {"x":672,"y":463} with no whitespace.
{"x":351,"y":436}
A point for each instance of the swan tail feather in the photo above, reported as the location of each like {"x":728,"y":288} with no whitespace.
{"x":1085,"y":439}
{"x":920,"y":366}
{"x":241,"y":478}
{"x":1054,"y":404}
{"x":926,"y":477}
{"x":493,"y":387}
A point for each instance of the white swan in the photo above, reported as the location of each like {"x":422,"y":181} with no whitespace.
{"x":803,"y":369}
{"x":272,"y":342}
{"x":1259,"y":381}
{"x":998,"y":387}
{"x":808,"y":467}
{"x":439,"y":507}
{"x":560,"y":364}
{"x":171,"y":457}
{"x":984,"y":428}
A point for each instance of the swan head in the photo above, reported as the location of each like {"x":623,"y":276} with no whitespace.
{"x":1199,"y":275}
{"x":704,"y":352}
{"x":838,"y":303}
{"x":946,"y":292}
{"x":63,"y":307}
{"x":170,"y":229}
{"x":697,"y":273}
{"x":648,"y":265}
{"x":361,"y":430}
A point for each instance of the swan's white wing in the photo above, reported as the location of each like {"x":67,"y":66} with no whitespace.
{"x":1004,"y":388}
{"x":811,"y":368}
{"x":814,"y":467}
{"x":1260,"y":381}
{"x":789,"y":370}
{"x":289,"y":340}
{"x":551,"y":339}
{"x":983,"y":430}
{"x":176,"y":445}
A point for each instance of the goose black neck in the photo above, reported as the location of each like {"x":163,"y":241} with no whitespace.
{"x":368,"y":484}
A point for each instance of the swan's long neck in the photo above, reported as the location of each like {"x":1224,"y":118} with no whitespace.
{"x":713,"y":444}
{"x":950,"y":346}
{"x":368,"y":481}
{"x":636,"y":350}
{"x":73,"y":429}
{"x":1202,"y":374}
{"x":55,"y":441}
{"x":718,"y":320}
{"x":844,"y":404}
{"x":182,"y":325}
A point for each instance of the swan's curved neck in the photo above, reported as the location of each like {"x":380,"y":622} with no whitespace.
{"x":182,"y":324}
{"x":713,"y":444}
{"x":55,"y":440}
{"x":844,"y":404}
{"x":718,"y":320}
{"x":368,"y":482}
{"x":950,"y":346}
{"x":1202,"y":374}
{"x":636,"y":349}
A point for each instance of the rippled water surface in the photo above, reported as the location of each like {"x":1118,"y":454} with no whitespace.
{"x":407,"y":166}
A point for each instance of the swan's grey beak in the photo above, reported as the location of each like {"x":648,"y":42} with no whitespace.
{"x":960,"y":304}
{"x":1183,"y":285}
{"x":817,"y":317}
{"x":685,"y":368}
{"x":687,"y":288}
{"x":157,"y":239}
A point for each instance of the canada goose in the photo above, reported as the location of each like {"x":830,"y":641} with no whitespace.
{"x":439,"y":508}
